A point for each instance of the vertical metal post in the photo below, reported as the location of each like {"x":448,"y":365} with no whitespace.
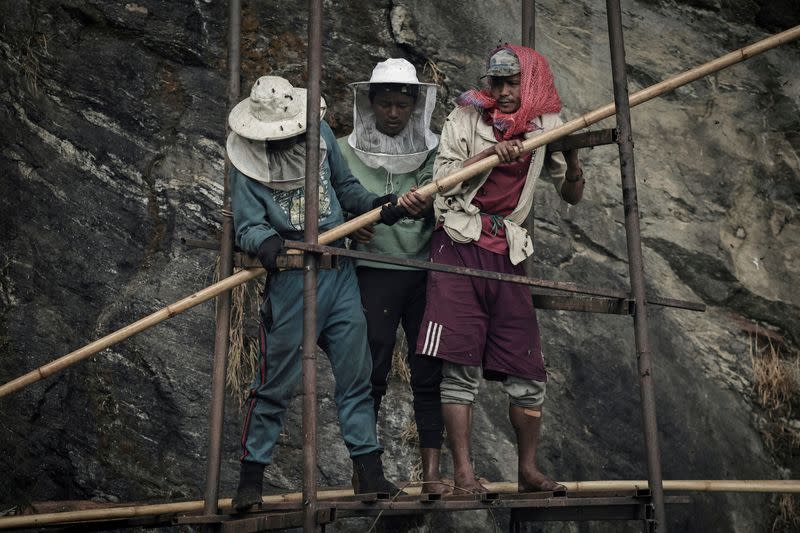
{"x":221,"y":336}
{"x":635,"y":262}
{"x":529,"y":40}
{"x":310,"y":268}
{"x":529,"y":23}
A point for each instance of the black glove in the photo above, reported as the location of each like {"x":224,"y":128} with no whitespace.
{"x":390,"y":198}
{"x":390,"y":214}
{"x":268,"y":252}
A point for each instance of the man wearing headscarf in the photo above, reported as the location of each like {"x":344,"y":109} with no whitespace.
{"x":391,"y":151}
{"x":478,"y":326}
{"x":268,"y":152}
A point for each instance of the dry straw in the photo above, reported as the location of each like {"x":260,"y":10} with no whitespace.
{"x":776,"y":373}
{"x":788,"y":518}
{"x":776,"y":383}
{"x":400,"y":368}
{"x":243,"y":349}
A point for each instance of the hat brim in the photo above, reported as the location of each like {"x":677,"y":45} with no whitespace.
{"x":357,"y":83}
{"x":495,"y":74}
{"x":243,"y":123}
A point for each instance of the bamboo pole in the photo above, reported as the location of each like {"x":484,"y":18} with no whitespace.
{"x":584,"y":121}
{"x":131,"y":329}
{"x":777,"y":486}
{"x":374,"y":216}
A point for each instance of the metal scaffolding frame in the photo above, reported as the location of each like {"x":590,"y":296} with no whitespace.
{"x":623,"y":137}
{"x":636,"y":306}
{"x":223,"y":316}
{"x":308,"y":510}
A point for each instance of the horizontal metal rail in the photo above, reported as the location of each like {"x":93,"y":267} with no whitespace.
{"x":99,"y":513}
{"x":599,"y":505}
{"x":487,"y":274}
{"x":588,"y":139}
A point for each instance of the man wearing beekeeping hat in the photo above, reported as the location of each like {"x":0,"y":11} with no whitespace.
{"x":267,"y":151}
{"x":391,"y":150}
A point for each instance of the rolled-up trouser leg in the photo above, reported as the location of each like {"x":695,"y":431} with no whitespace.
{"x":344,"y":339}
{"x":525,"y":393}
{"x":460,"y":383}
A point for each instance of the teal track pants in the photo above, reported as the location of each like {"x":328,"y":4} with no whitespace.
{"x":341,"y":333}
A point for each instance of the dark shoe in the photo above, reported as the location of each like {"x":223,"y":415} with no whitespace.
{"x":248,"y":494}
{"x":368,"y":476}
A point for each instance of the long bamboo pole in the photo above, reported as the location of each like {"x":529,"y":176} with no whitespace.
{"x":131,"y":329}
{"x":584,"y":121}
{"x":779,"y":486}
{"x":373,"y":216}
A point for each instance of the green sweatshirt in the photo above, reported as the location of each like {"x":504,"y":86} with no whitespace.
{"x":409,"y":238}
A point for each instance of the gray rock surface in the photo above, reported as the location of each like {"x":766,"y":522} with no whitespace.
{"x":111,"y":151}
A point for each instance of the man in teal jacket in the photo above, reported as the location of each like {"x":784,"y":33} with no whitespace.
{"x":267,"y":150}
{"x":391,"y":151}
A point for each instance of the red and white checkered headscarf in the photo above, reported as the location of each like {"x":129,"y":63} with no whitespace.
{"x":538,"y":94}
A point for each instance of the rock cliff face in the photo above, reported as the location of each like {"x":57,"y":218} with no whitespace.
{"x":113,"y":119}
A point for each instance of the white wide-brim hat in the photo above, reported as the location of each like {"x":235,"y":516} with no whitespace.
{"x":275,"y":110}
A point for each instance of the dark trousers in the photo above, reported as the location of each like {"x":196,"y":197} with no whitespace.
{"x":390,"y":297}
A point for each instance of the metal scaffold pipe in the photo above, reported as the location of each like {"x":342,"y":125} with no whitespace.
{"x":529,"y":40}
{"x":635,"y":260}
{"x":442,"y":184}
{"x":223,"y":316}
{"x":529,"y":23}
{"x":311,"y":268}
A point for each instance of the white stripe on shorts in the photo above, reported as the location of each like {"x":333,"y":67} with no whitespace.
{"x":427,"y":338}
{"x":432,"y":337}
{"x":438,"y":338}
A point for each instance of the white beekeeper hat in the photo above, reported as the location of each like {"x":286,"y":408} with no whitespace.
{"x":407,"y":150}
{"x":394,"y":70}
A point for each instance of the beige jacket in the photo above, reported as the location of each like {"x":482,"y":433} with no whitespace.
{"x":465,"y":134}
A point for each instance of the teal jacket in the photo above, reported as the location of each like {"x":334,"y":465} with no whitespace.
{"x":260,"y":212}
{"x":409,"y":238}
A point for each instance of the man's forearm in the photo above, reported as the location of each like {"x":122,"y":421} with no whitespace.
{"x":572,"y":188}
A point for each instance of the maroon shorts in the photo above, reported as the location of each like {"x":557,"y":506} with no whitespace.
{"x":474,"y":321}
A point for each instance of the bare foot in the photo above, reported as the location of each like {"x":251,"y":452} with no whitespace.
{"x":441,"y":486}
{"x":468,"y":485}
{"x":538,"y":482}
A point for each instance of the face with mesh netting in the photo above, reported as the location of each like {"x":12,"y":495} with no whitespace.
{"x":392,"y":111}
{"x":506,"y":91}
